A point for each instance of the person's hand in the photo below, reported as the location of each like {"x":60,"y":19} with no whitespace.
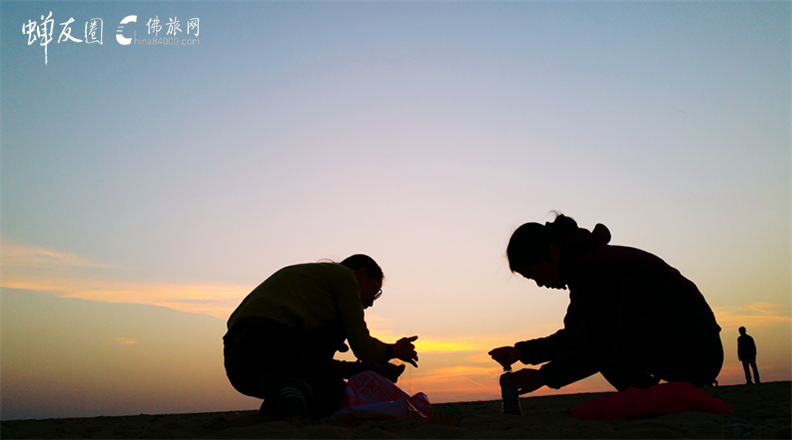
{"x":525,"y":380}
{"x":506,"y":355}
{"x":379,"y":369}
{"x":405,"y":350}
{"x":387,"y":370}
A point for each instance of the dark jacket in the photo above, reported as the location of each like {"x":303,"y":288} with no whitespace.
{"x":614,"y":293}
{"x":746,"y":349}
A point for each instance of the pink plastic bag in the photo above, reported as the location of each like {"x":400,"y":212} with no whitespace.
{"x":369,"y":395}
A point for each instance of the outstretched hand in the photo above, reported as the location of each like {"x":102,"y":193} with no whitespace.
{"x":405,"y":350}
{"x":525,"y":380}
{"x":506,"y":355}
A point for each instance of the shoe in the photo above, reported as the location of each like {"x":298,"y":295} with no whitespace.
{"x":285,"y":397}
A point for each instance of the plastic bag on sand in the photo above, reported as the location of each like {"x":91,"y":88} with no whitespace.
{"x":664,"y":398}
{"x":369,"y":395}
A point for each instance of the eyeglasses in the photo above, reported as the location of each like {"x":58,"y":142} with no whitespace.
{"x":378,"y":294}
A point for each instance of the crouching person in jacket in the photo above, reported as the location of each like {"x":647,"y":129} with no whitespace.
{"x":282,"y":338}
{"x":632,"y":317}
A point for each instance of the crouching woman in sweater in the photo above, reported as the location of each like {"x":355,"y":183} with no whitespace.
{"x":632,"y":317}
{"x":282,"y":338}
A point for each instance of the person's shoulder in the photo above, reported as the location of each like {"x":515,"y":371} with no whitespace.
{"x":329,"y":266}
{"x":328,"y":269}
{"x":607,"y":261}
{"x":609,"y":254}
{"x":630,"y":255}
{"x":320,"y":265}
{"x":320,"y":268}
{"x":328,"y":272}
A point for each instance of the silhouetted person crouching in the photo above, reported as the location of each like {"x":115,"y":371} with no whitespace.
{"x":282,"y":338}
{"x":631,"y":317}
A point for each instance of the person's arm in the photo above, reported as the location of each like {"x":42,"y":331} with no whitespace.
{"x":541,"y":350}
{"x":347,"y":369}
{"x":534,"y":351}
{"x":593,"y":320}
{"x":365,"y":347}
{"x":740,"y":348}
{"x":525,"y":380}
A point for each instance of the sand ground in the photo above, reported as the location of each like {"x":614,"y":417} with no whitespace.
{"x":761,"y":411}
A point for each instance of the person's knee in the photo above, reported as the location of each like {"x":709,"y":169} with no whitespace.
{"x":327,"y":397}
{"x":622,"y":375}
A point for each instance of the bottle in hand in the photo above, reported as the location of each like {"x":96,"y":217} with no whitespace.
{"x":511,"y":400}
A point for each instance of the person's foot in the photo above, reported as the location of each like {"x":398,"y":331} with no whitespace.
{"x":286,"y":397}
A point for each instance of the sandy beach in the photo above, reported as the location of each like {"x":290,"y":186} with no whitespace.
{"x":761,"y":411}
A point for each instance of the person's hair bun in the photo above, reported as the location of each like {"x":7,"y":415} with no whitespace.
{"x":561,"y":229}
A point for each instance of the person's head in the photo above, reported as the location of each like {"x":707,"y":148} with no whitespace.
{"x":369,"y":276}
{"x":742,"y":330}
{"x":535,"y":250}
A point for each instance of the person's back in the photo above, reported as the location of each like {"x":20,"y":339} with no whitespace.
{"x":746,"y":353}
{"x":625,"y":297}
{"x":300,"y":296}
{"x":304,"y":296}
{"x":746,"y":347}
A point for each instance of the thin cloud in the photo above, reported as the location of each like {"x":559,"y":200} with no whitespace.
{"x":124,"y":341}
{"x":21,"y":256}
{"x":62,"y":274}
{"x":217,"y":300}
{"x":757,"y":314}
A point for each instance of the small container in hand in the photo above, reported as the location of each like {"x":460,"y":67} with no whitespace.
{"x":511,"y":400}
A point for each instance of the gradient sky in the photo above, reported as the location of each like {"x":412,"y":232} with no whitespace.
{"x":171,"y":180}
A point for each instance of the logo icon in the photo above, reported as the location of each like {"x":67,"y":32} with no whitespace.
{"x":119,"y":33}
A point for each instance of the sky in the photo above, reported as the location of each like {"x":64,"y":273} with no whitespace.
{"x":148,"y":188}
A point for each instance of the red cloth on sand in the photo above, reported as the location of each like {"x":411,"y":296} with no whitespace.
{"x":664,"y":398}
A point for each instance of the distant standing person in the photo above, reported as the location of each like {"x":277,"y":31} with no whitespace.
{"x":282,"y":339}
{"x":631,"y":317}
{"x":746,"y":352}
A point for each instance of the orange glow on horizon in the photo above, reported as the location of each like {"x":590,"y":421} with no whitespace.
{"x":757,"y":314}
{"x":451,"y":369}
